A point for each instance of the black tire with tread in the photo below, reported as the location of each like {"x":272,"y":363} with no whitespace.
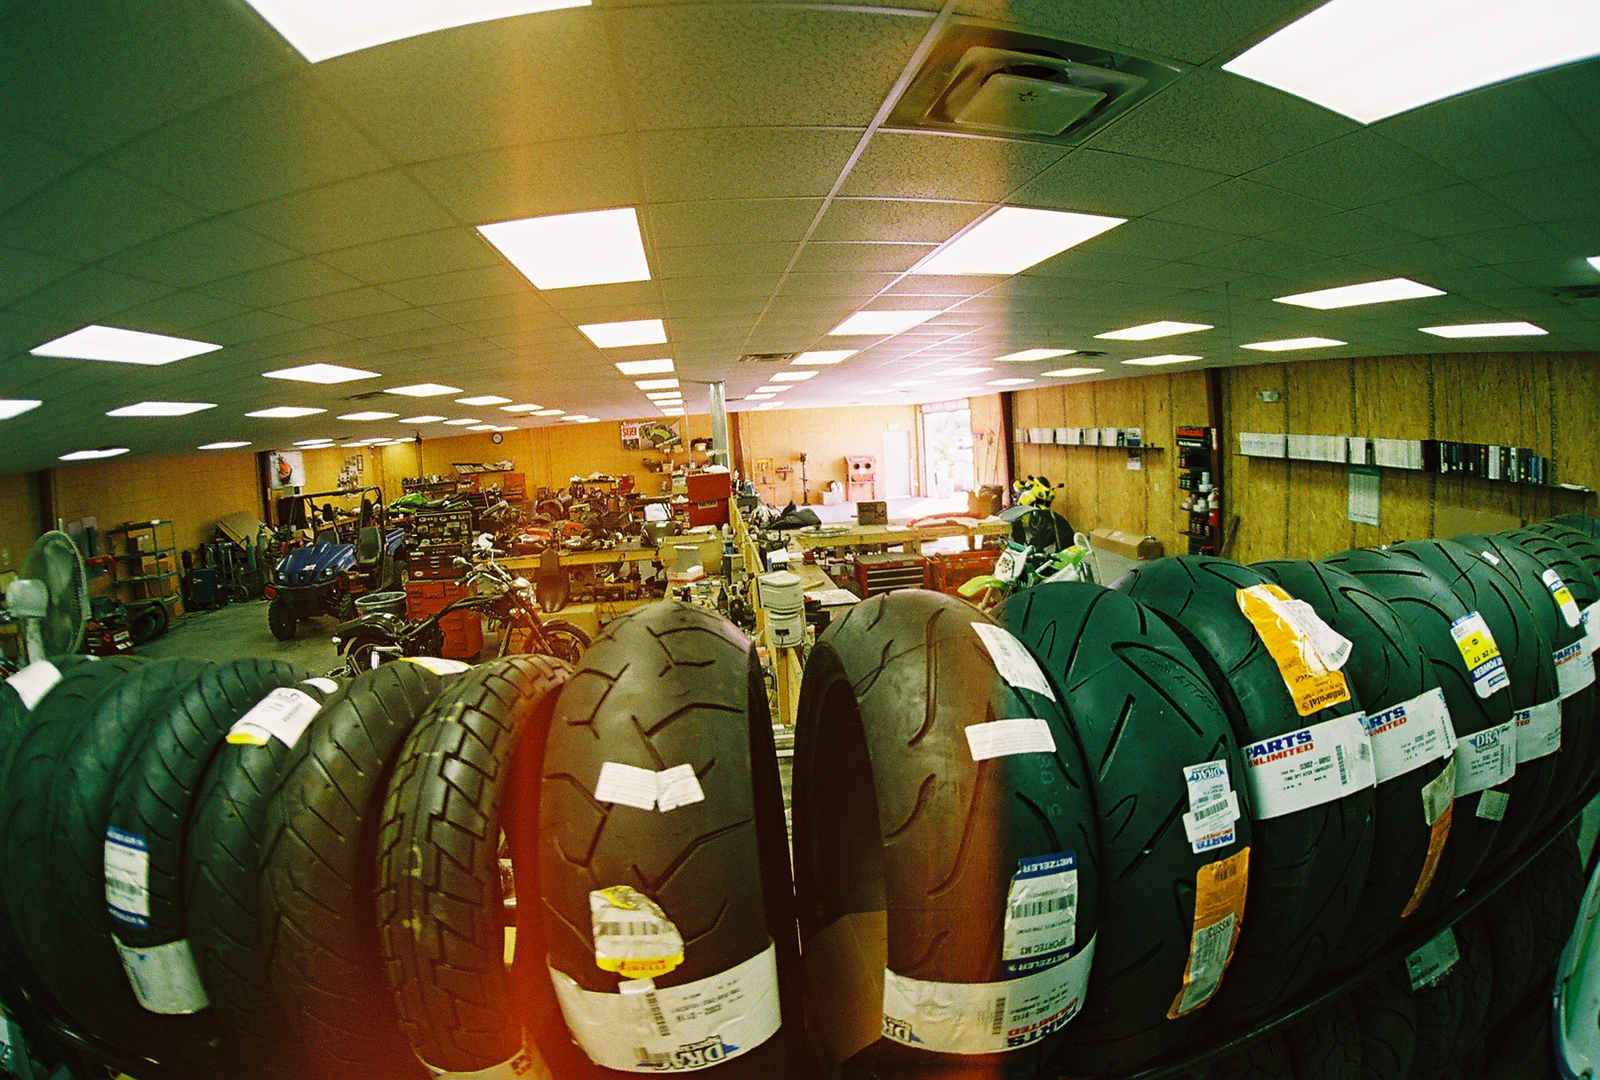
{"x":1478,"y":1005}
{"x":1326,"y":1045}
{"x":1306,"y":868}
{"x":1387,"y":1014}
{"x":1386,"y":667}
{"x":667,"y":685}
{"x":887,"y":797}
{"x":1439,"y":1012}
{"x":457,"y":785}
{"x":318,"y":879}
{"x":1142,"y":711}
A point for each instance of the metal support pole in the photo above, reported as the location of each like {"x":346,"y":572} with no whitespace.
{"x":719,"y":427}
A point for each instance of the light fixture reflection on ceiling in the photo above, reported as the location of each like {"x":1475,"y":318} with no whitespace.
{"x":1289,"y":344}
{"x":527,"y":407}
{"x":10,"y":407}
{"x":221,"y":445}
{"x":117,"y":346}
{"x":645,"y":367}
{"x":163,"y":408}
{"x":550,"y":412}
{"x":656,"y":384}
{"x":1073,"y":372}
{"x":93,"y":455}
{"x":1159,"y":361}
{"x":1028,"y":355}
{"x":426,"y":389}
{"x":1486,"y":330}
{"x":285,"y":412}
{"x":823,"y":357}
{"x":793,"y":376}
{"x":1012,"y":239}
{"x":463,"y":422}
{"x":324,"y":374}
{"x":880,"y":323}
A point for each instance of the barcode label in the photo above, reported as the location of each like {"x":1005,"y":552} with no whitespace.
{"x":1041,"y":907}
{"x":997,"y":1021}
{"x":627,"y":929}
{"x":1041,"y":915}
{"x":1344,"y":772}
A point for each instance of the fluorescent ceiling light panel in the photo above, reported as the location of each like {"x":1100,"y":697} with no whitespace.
{"x":656,"y":384}
{"x":564,"y":251}
{"x":483,"y":399}
{"x":1073,"y":372}
{"x":1367,"y":292}
{"x":671,"y":412}
{"x":1012,"y":239}
{"x":1368,"y":59}
{"x":319,"y":30}
{"x":424,"y":389}
{"x":1008,"y":382}
{"x":1028,"y":355}
{"x":770,"y":389}
{"x":222,"y":446}
{"x":463,"y":422}
{"x":369,"y":415}
{"x":91,"y":455}
{"x":285,"y":412}
{"x":1289,"y":344}
{"x":824,"y":356}
{"x":424,"y":419}
{"x":549,"y":412}
{"x":326,"y":374}
{"x":793,"y":376}
{"x":503,"y":427}
{"x":880,"y":323}
{"x":10,"y":407}
{"x":163,"y":408}
{"x":123,"y":346}
{"x":1485,"y":330}
{"x":524,"y":408}
{"x":1158,"y":361}
{"x":969,"y":371}
{"x":1164,"y":328}
{"x":580,"y":418}
{"x":481,"y":427}
{"x":314,"y":442}
{"x":1594,"y":261}
{"x":645,"y":367}
{"x":666,"y":395}
{"x":619,"y":335}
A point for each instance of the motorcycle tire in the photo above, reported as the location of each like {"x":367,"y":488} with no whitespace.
{"x":1307,"y":867}
{"x":1387,"y":1015}
{"x":1569,"y":765}
{"x":319,"y":922}
{"x":1582,"y":546}
{"x":85,"y":970}
{"x":1439,"y":1010}
{"x":901,"y":807}
{"x":1388,"y":670}
{"x":281,"y":620}
{"x":1583,"y":523}
{"x":671,"y":686}
{"x":567,"y":642}
{"x":1479,"y":1007}
{"x":1144,"y":714}
{"x":466,"y":774}
{"x":1326,"y":1045}
{"x":347,"y":609}
{"x":145,"y":831}
{"x":1425,"y":602}
{"x":30,"y":760}
{"x":1484,"y":588}
{"x":222,"y":888}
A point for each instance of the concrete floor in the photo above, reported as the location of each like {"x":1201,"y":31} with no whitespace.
{"x":238,"y":632}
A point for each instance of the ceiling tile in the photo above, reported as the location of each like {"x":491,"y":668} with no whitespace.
{"x":860,"y":258}
{"x":1355,"y":170}
{"x":744,"y":285}
{"x":179,"y":313}
{"x":521,"y":308}
{"x":1517,"y":243}
{"x":346,"y":213}
{"x":1190,"y":30}
{"x":1550,"y":193}
{"x":423,"y":254}
{"x":248,"y":326}
{"x":533,"y":180}
{"x":28,"y":164}
{"x":1218,"y":121}
{"x":728,"y":163}
{"x":21,"y":272}
{"x":198,"y":253}
{"x":1158,"y":239}
{"x":89,"y":295}
{"x":1551,"y":273}
{"x":926,"y":165}
{"x":1449,"y":211}
{"x":385,"y":323}
{"x":497,"y":83}
{"x":623,"y":292}
{"x":901,"y":220}
{"x":258,"y":146}
{"x":712,"y":259}
{"x":344,"y":305}
{"x":459,"y":285}
{"x":728,"y":221}
{"x":712,"y":66}
{"x":1341,"y":234}
{"x":91,"y":213}
{"x":839,"y":283}
{"x":1097,"y":182}
{"x":1243,"y":207}
{"x":281,"y":283}
{"x":1476,"y":134}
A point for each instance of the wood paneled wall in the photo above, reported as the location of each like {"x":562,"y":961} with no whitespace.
{"x":1097,"y":488}
{"x":1549,"y":402}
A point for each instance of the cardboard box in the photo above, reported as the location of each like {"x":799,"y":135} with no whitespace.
{"x":1127,"y":544}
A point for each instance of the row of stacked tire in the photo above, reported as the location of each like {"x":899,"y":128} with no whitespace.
{"x":1104,"y":828}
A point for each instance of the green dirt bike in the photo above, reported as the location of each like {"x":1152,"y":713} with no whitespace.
{"x":1022,"y":566}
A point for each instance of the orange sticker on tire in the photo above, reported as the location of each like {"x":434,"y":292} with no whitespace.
{"x":1312,"y":683}
{"x":1219,"y":894}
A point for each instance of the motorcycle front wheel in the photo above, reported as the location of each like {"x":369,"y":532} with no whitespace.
{"x":565,"y":641}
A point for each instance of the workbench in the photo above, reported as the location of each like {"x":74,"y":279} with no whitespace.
{"x":605,"y":557}
{"x":911,"y":537}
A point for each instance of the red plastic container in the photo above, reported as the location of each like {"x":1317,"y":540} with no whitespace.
{"x":463,"y":630}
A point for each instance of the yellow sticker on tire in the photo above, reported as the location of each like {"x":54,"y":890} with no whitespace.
{"x":1312,"y":684}
{"x":1219,"y":895}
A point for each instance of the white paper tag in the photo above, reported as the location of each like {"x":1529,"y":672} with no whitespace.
{"x":327,"y":686}
{"x":1309,"y":767}
{"x":1591,"y":627}
{"x":1490,"y":557}
{"x":526,"y":1065}
{"x":632,"y":935}
{"x":1410,"y":734}
{"x":1574,"y":669}
{"x":1012,"y":659}
{"x":1041,"y":922}
{"x":646,"y":789}
{"x":1331,"y":647}
{"x":1563,"y":598}
{"x":1002,"y":738}
{"x":1439,"y":793}
{"x":684,"y":1028}
{"x":984,"y":1018}
{"x":7,"y":1053}
{"x":1492,"y":805}
{"x":283,"y":714}
{"x":127,"y":859}
{"x":1433,"y":960}
{"x":1213,"y":807}
{"x":1538,"y":730}
{"x":164,"y":977}
{"x":33,"y":682}
{"x":1481,"y":654}
{"x":1208,"y":959}
{"x":1486,"y":758}
{"x":438,"y":664}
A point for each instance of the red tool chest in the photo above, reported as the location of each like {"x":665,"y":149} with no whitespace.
{"x":463,"y":630}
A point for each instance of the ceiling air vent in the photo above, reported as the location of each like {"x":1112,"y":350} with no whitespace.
{"x":986,"y":79}
{"x":1586,"y":298}
{"x":767,"y":357}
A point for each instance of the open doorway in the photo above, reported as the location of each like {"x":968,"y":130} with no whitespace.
{"x":947,"y":448}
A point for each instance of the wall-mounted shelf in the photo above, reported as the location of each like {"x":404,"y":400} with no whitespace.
{"x":1502,"y":466}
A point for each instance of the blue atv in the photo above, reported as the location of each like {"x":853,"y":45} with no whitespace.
{"x":348,"y":557}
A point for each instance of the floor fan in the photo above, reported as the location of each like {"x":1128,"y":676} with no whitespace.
{"x":50,"y":598}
